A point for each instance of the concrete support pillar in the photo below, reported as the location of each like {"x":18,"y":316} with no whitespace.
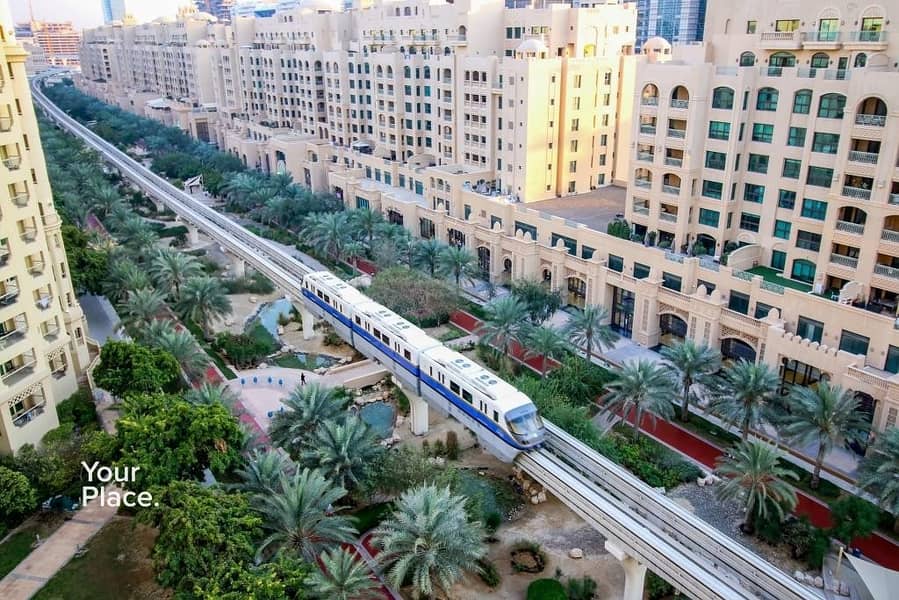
{"x":193,"y":235}
{"x":308,"y":321}
{"x":419,"y":413}
{"x":239,"y":266}
{"x":159,"y":204}
{"x":634,"y":572}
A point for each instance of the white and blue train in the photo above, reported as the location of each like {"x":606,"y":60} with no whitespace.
{"x":505,"y":420}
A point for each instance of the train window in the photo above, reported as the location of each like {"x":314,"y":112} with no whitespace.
{"x":454,"y":387}
{"x":377,"y":332}
{"x":467,"y":396}
{"x":319,"y":293}
{"x":496,"y":416}
{"x":358,"y":320}
{"x":386,"y":340}
{"x":327,"y":298}
{"x":407,"y":354}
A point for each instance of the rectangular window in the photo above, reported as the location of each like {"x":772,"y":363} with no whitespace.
{"x":709,"y":217}
{"x":892,"y":362}
{"x":753,"y":192}
{"x":569,"y":243}
{"x":616,"y":263}
{"x":814,"y":209}
{"x":810,"y":329}
{"x":466,"y":395}
{"x":854,"y":343}
{"x":454,"y":387}
{"x":641,"y":271}
{"x":587,"y":252}
{"x":782,"y":229}
{"x":767,"y":99}
{"x":792,"y":167}
{"x":802,"y":102}
{"x":671,"y":281}
{"x":796,"y":137}
{"x":715,"y":160}
{"x":719,"y":130}
{"x":808,"y":240}
{"x":749,"y":222}
{"x":758,"y":163}
{"x":826,"y":143}
{"x":762,"y":310}
{"x":738,"y":302}
{"x":820,"y":176}
{"x":525,"y":228}
{"x":786,"y":199}
{"x":778,"y":259}
{"x":712,"y":189}
{"x":762,"y":132}
{"x":831,"y":106}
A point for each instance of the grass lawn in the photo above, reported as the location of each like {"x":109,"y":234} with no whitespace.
{"x":454,"y":333}
{"x":117,"y":566}
{"x":289,"y":361}
{"x":769,"y":274}
{"x":18,"y":545}
{"x":258,"y":332}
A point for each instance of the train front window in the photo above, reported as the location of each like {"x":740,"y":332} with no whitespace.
{"x":525,"y":423}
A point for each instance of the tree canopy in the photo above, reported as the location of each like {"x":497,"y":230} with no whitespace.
{"x":129,"y":368}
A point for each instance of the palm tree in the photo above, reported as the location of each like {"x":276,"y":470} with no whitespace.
{"x":826,"y":414}
{"x":546,"y":342}
{"x":182,"y":345}
{"x":202,"y":300}
{"x":170,"y":269}
{"x":154,"y":330}
{"x":104,"y":200}
{"x":124,"y":276}
{"x":308,"y":406}
{"x":140,"y":307}
{"x":429,"y":540}
{"x":587,"y":329}
{"x":263,"y":473}
{"x":457,"y":262}
{"x":328,"y":232}
{"x":694,"y":363}
{"x":239,"y":186}
{"x":426,"y":255}
{"x":505,"y":322}
{"x":342,"y":449}
{"x":752,"y":472}
{"x":639,"y":387}
{"x":301,"y":517}
{"x":209,"y":393}
{"x":742,"y":394}
{"x":341,"y":576}
{"x":365,"y":221}
{"x":879,"y":472}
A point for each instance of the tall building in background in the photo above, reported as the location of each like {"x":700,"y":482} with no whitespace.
{"x":220,"y":9}
{"x":59,"y":41}
{"x":113,"y":10}
{"x":677,"y":21}
{"x":43,"y":336}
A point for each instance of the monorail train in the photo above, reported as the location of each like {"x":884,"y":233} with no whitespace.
{"x":504,"y":419}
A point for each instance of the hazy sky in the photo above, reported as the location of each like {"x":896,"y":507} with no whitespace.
{"x":87,"y":13}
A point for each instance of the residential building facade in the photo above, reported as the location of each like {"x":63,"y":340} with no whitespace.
{"x":43,"y":335}
{"x":286,"y":92}
{"x":60,"y":42}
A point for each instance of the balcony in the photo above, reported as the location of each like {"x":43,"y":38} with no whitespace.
{"x":9,"y":295}
{"x":649,"y":100}
{"x":857,"y":193}
{"x":10,"y":337}
{"x":21,"y":199}
{"x":28,"y":234}
{"x":645,"y":156}
{"x":22,"y":419}
{"x":643,"y":183}
{"x":849,"y":227}
{"x":866,"y":40}
{"x":648,"y":129}
{"x":641,"y":210}
{"x":44,"y":301}
{"x":680,"y":104}
{"x":870,"y":120}
{"x":5,"y":124}
{"x":780,"y":40}
{"x":35,"y":267}
{"x":667,"y":216}
{"x":12,"y":162}
{"x":889,"y":235}
{"x":821,"y":39}
{"x":674,"y":162}
{"x":868,"y":158}
{"x":677,"y":133}
{"x":886,"y":271}
{"x":844,"y":261}
{"x":671,"y":189}
{"x":894,"y":198}
{"x":4,"y":255}
{"x":19,"y":373}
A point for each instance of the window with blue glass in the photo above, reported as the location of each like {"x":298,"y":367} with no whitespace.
{"x":758,"y":163}
{"x":810,"y":329}
{"x":826,"y":143}
{"x":762,"y":132}
{"x":587,"y":252}
{"x":782,"y":229}
{"x":802,"y":102}
{"x":723,"y":97}
{"x":831,"y":106}
{"x":641,"y":271}
{"x":719,"y":130}
{"x":715,"y":160}
{"x":749,"y":221}
{"x":525,"y":228}
{"x":616,"y":263}
{"x":792,"y":168}
{"x":786,"y":199}
{"x":738,"y":302}
{"x":796,"y":136}
{"x":752,"y":192}
{"x":803,"y":270}
{"x":808,"y":240}
{"x":854,"y":343}
{"x":671,"y":281}
{"x":712,"y":189}
{"x":569,"y":243}
{"x":494,"y":220}
{"x":762,"y":310}
{"x":709,"y":217}
{"x":361,"y":203}
{"x":819,"y":176}
{"x":814,"y":209}
{"x":892,"y":362}
{"x":766,"y":99}
{"x":778,"y":259}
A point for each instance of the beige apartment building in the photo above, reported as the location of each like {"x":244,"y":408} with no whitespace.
{"x":59,"y":41}
{"x":43,"y":335}
{"x":789,"y":199}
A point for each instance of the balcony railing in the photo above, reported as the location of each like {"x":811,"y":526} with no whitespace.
{"x":870,"y":37}
{"x":677,"y":133}
{"x":5,"y":124}
{"x":641,"y":210}
{"x":886,"y":271}
{"x":869,"y":158}
{"x":854,"y":192}
{"x":893,"y":198}
{"x":13,"y":162}
{"x":21,"y":420}
{"x":674,"y":162}
{"x":850,"y":227}
{"x":650,"y":129}
{"x":645,"y":156}
{"x":50,"y":331}
{"x":44,"y":302}
{"x":888,"y":235}
{"x":643,"y":183}
{"x":4,"y":256}
{"x":8,"y":296}
{"x":870,"y":120}
{"x":671,"y":189}
{"x":6,"y":339}
{"x":670,"y":217}
{"x":821,"y":36}
{"x":778,"y":36}
{"x":21,"y":199}
{"x":36,"y":268}
{"x":17,"y":374}
{"x":28,"y":234}
{"x":649,"y":101}
{"x":845,"y":261}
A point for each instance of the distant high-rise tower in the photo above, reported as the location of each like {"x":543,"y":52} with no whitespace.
{"x":220,"y":9}
{"x":113,"y":10}
{"x":678,"y":21}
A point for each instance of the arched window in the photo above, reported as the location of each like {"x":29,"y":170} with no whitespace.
{"x":820,"y":60}
{"x":861,"y":60}
{"x":803,"y":270}
{"x":747,"y":59}
{"x":723,"y":97}
{"x":831,"y":106}
{"x":650,"y":95}
{"x":427,"y":72}
{"x":802,"y":102}
{"x":782,"y":59}
{"x":380,"y":71}
{"x":767,"y":99}
{"x":407,"y":71}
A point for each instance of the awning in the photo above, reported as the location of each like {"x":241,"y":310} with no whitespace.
{"x":879,"y":580}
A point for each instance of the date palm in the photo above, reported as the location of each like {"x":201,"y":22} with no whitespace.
{"x":342,"y":449}
{"x":426,"y":255}
{"x":140,"y":307}
{"x":209,"y":393}
{"x":263,"y":473}
{"x":694,"y":363}
{"x":307,"y":407}
{"x":429,"y":541}
{"x":640,"y":387}
{"x":342,"y":576}
{"x":154,"y":330}
{"x":365,"y":221}
{"x":505,"y":323}
{"x":588,"y":329}
{"x":301,"y":518}
{"x":104,"y":200}
{"x":826,"y":414}
{"x":329,"y":232}
{"x":752,"y":473}
{"x":879,"y":472}
{"x":124,"y":276}
{"x":457,"y":263}
{"x":170,"y":269}
{"x":182,"y":345}
{"x":546,"y":342}
{"x":742,"y":395}
{"x":203,"y":300}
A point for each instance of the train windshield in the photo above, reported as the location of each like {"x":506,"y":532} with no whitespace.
{"x":525,"y":423}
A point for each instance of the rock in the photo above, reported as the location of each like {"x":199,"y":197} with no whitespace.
{"x":400,"y":420}
{"x":844,"y":588}
{"x":799,"y":576}
{"x":700,"y":481}
{"x":263,"y":365}
{"x":534,"y":500}
{"x":541,"y":497}
{"x":819,"y":582}
{"x":253,"y":299}
{"x":525,"y":485}
{"x":659,"y":490}
{"x":576,"y":553}
{"x":280,"y":330}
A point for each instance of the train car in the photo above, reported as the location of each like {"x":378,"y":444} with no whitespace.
{"x":331,"y":299}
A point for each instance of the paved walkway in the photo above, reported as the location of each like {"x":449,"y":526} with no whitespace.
{"x":55,"y":552}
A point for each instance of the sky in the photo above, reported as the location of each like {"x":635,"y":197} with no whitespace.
{"x":87,"y":13}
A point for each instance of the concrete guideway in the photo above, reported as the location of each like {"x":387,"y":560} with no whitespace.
{"x":638,"y":540}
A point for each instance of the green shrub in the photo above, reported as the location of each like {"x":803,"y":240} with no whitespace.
{"x":619,"y":228}
{"x":492,"y":522}
{"x":452,"y":445}
{"x":583,"y":588}
{"x":656,"y":587}
{"x":488,"y":573}
{"x":799,"y":535}
{"x":78,"y":408}
{"x":546,"y":589}
{"x":853,"y":518}
{"x":818,"y":549}
{"x":256,"y":283}
{"x":243,"y":350}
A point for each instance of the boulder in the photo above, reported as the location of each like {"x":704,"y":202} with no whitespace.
{"x":541,"y":497}
{"x":253,"y":299}
{"x":819,"y":582}
{"x":534,"y":500}
{"x":576,"y":553}
{"x":700,"y":481}
{"x":526,"y":485}
{"x":799,"y":576}
{"x":263,"y":365}
{"x":400,"y":420}
{"x":844,"y":588}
